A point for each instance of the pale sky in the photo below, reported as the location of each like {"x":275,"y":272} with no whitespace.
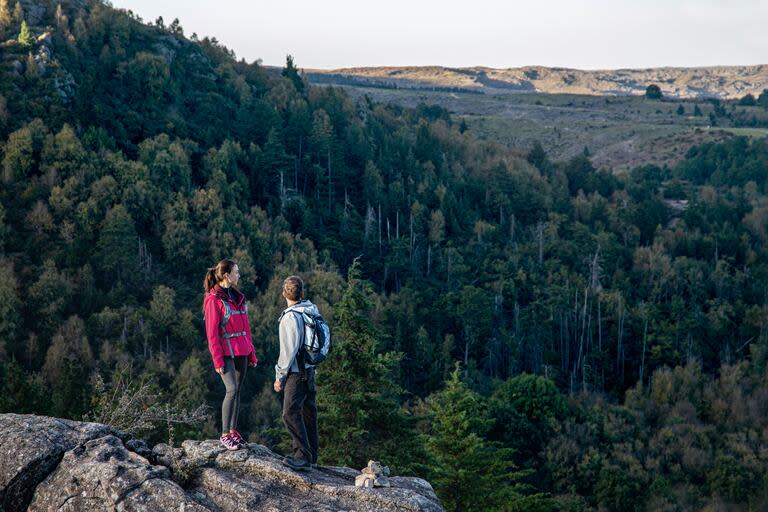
{"x":584,"y":34}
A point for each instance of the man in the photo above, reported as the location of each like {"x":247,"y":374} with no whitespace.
{"x":299,"y":406}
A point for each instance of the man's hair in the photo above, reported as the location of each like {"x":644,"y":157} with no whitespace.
{"x":293,"y":288}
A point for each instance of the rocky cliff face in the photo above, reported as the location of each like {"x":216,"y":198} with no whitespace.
{"x":49,"y":464}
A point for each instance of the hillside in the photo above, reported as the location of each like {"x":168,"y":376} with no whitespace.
{"x":512,"y":322}
{"x":722,"y":82}
{"x":620,"y":130}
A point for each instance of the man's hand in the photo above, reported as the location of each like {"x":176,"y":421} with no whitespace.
{"x":278,"y":386}
{"x":220,"y":371}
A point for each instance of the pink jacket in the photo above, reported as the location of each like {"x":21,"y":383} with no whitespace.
{"x":226,"y":325}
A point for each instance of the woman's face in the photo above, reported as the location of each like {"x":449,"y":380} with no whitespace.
{"x":234,"y":276}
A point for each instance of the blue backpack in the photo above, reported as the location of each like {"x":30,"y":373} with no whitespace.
{"x":317,"y":338}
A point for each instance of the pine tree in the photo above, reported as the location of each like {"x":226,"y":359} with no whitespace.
{"x":18,"y":12}
{"x":117,"y":247}
{"x":360,"y":416}
{"x":31,"y":72}
{"x":653,"y":92}
{"x":290,"y":72}
{"x":25,"y":38}
{"x":5,"y":15}
{"x":467,"y":471}
{"x":10,"y":305}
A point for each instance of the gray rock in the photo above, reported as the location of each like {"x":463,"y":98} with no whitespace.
{"x":138,"y":446}
{"x":103,"y":475}
{"x":31,"y":448}
{"x":48,"y":464}
{"x":360,"y":480}
{"x":64,"y":84}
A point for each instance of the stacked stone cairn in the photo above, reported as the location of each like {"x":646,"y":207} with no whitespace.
{"x":373,"y":475}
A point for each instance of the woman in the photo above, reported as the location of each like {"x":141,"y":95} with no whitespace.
{"x":229,"y":340}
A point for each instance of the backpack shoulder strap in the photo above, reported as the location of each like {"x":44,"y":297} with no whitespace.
{"x":227,"y":313}
{"x":300,"y":350}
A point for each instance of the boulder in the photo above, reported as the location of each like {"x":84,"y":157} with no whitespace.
{"x":31,"y":447}
{"x":102,"y":475}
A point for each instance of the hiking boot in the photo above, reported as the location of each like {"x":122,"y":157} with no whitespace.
{"x":238,"y":438}
{"x":297,"y":464}
{"x":228,"y":442}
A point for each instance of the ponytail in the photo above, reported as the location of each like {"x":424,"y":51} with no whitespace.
{"x":210,"y":279}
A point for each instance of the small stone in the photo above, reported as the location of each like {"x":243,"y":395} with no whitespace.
{"x":374,"y":467}
{"x":360,"y":480}
{"x":381,"y":481}
{"x":368,"y":483}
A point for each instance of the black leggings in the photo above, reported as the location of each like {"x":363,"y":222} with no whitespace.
{"x":234,"y":373}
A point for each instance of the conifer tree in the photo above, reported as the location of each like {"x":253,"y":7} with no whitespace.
{"x":25,"y":38}
{"x":10,"y":305}
{"x":467,"y":471}
{"x":5,"y":15}
{"x":31,"y":71}
{"x":117,"y":246}
{"x":18,"y":12}
{"x":360,"y":416}
{"x":292,"y":73}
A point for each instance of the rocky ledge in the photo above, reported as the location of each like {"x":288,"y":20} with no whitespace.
{"x":50,"y":464}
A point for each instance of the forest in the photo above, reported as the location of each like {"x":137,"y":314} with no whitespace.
{"x":526,"y":334}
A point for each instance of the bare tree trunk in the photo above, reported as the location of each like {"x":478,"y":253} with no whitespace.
{"x":580,"y":360}
{"x":587,"y":349}
{"x":642,"y":358}
{"x":620,"y":342}
{"x":330,"y":182}
{"x":540,"y":240}
{"x":412,"y":240}
{"x":347,"y":204}
{"x":600,"y":343}
{"x":296,"y":167}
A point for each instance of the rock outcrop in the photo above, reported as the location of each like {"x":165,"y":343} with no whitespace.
{"x":703,"y":82}
{"x":49,"y":464}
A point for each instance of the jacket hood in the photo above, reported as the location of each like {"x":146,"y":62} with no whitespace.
{"x":305,"y":306}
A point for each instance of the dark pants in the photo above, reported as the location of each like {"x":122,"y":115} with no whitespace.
{"x":300,"y":414}
{"x":234,"y":374}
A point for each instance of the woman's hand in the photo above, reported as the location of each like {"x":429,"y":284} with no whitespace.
{"x":220,"y":371}
{"x":278,"y":386}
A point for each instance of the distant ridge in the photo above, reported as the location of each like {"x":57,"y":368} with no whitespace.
{"x":724,"y":82}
